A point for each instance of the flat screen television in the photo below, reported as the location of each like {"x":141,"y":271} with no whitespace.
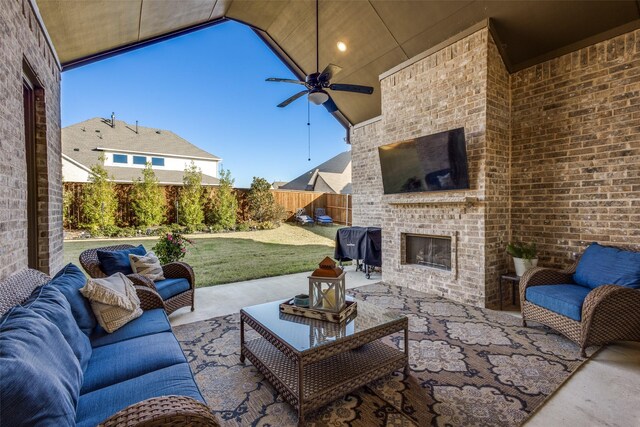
{"x":435,"y":162}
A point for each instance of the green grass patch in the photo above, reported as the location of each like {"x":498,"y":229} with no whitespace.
{"x":234,"y":257}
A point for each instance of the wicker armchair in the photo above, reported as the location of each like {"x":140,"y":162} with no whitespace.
{"x":175,"y":270}
{"x":609,"y":312}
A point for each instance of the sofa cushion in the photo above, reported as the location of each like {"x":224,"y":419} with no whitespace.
{"x":114,"y":363}
{"x":51,"y":304}
{"x":168,"y":288}
{"x":151,"y":322}
{"x":147,"y":265}
{"x":69,"y":280}
{"x":112,"y":262}
{"x":99,"y":405}
{"x":114,"y":301}
{"x":41,"y":376}
{"x":562,"y":299}
{"x":601,"y":265}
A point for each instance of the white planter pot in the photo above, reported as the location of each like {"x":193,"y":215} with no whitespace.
{"x":522,"y":265}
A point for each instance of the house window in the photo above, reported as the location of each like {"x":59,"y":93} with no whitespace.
{"x":157,"y":161}
{"x":139,"y":160}
{"x":120,"y":158}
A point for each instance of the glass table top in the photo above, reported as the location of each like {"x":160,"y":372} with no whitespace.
{"x":303,"y":333}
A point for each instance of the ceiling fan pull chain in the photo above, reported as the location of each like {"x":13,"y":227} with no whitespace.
{"x":309,"y":130}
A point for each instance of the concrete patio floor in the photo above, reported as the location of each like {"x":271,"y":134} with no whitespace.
{"x":603,"y":392}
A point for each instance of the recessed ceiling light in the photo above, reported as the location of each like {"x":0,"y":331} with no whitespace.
{"x":342,"y":47}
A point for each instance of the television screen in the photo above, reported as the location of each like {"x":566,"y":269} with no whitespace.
{"x":435,"y":162}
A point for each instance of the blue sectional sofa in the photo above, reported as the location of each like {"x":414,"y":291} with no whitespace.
{"x":59,"y":367}
{"x":596,"y":301}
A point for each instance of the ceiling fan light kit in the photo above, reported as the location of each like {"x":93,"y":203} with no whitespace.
{"x":316,"y":83}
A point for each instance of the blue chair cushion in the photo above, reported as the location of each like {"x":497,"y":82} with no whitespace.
{"x":151,"y":322}
{"x":114,"y":363}
{"x":97,"y":406}
{"x":168,"y":288}
{"x":562,"y":299}
{"x":51,"y":304}
{"x":40,"y":375}
{"x":69,"y":280}
{"x":324,"y":219}
{"x":601,"y":265}
{"x":112,"y":262}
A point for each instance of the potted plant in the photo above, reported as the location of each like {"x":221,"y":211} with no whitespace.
{"x":524,"y":256}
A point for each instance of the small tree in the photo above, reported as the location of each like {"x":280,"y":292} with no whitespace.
{"x":262,"y":204}
{"x":222,"y":206}
{"x":67,"y":204}
{"x":190,"y":209}
{"x":99,"y":200}
{"x":147,"y":199}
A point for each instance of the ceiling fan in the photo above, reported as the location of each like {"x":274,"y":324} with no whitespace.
{"x":317,"y":83}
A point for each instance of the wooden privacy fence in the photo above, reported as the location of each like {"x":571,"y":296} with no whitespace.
{"x":337,"y":206}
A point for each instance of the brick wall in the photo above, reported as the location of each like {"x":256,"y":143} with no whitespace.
{"x":576,"y":150}
{"x":446,"y":90}
{"x":23,"y":40}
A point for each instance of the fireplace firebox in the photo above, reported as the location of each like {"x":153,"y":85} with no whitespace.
{"x":426,"y":250}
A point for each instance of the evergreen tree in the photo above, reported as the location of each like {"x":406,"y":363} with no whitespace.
{"x":148,"y":199}
{"x":262,"y":204}
{"x":222,"y":206}
{"x":99,"y":200}
{"x":190,"y":210}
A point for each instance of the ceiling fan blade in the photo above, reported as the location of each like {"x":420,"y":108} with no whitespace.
{"x":351,"y":88}
{"x":329,"y":71}
{"x":274,"y":79}
{"x":330,"y":105}
{"x":293,"y":98}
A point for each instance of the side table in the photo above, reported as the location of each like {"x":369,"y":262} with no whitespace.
{"x":515,"y":282}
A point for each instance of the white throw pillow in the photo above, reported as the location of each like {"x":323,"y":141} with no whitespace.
{"x":114,"y":301}
{"x":147,"y":265}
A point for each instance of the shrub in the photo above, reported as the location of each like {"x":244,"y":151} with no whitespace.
{"x":190,"y":210}
{"x":147,"y":199}
{"x":171,"y":247}
{"x":99,"y":201}
{"x":67,"y":204}
{"x":522,"y":250}
{"x":222,"y":205}
{"x":262,"y":204}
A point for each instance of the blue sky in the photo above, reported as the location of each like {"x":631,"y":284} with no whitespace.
{"x":208,"y":87}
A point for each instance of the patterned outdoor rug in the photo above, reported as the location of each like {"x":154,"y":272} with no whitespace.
{"x":470,"y":367}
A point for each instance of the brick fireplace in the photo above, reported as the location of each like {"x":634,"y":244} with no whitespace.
{"x":553,"y":157}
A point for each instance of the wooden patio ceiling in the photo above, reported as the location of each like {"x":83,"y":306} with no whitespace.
{"x":379,"y":34}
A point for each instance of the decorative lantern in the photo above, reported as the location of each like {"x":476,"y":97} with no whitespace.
{"x":327,"y":288}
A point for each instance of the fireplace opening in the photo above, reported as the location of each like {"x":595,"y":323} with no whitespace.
{"x":430,"y":251}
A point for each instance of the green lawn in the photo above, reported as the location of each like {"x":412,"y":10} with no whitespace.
{"x":233,"y":257}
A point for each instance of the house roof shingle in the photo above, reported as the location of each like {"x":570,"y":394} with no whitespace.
{"x":335,"y":174}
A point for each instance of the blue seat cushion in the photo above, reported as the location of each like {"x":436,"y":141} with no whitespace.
{"x":151,"y":322}
{"x":562,"y":299}
{"x":168,"y":288}
{"x":324,"y":218}
{"x":121,"y":361}
{"x":601,"y":265}
{"x":112,"y":262}
{"x":40,"y":375}
{"x":69,"y":280}
{"x":51,"y":304}
{"x":97,"y":406}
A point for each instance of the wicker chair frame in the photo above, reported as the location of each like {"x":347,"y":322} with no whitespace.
{"x":157,"y":411}
{"x":609,"y":312}
{"x":175,"y":270}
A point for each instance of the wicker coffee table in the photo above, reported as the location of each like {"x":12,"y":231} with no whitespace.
{"x":313,"y":362}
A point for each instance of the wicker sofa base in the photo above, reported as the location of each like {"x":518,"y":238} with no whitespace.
{"x":570,"y":328}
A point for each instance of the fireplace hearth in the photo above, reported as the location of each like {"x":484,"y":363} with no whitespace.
{"x":428,"y":251}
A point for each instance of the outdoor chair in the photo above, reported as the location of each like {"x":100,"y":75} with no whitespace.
{"x":302,"y":218}
{"x":594,"y":302}
{"x":176,"y":291}
{"x":322,"y":217}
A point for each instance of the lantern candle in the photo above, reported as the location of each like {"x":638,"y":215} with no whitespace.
{"x":329,"y":298}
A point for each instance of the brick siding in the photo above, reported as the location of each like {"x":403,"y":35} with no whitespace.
{"x":23,"y":40}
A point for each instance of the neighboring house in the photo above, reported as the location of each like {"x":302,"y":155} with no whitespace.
{"x":277,"y":184}
{"x":127,"y":148}
{"x":332,"y":176}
